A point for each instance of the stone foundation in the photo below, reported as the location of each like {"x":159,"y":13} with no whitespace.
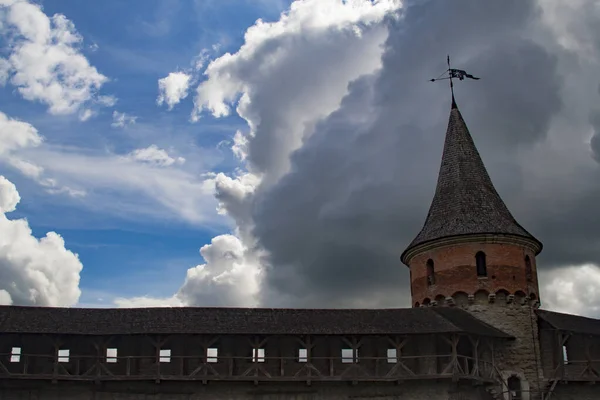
{"x":419,"y":390}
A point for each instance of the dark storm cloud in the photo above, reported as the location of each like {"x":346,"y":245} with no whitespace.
{"x":359,"y":188}
{"x":570,"y":227}
{"x":595,"y":141}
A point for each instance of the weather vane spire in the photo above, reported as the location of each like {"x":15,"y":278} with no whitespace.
{"x":453,"y":73}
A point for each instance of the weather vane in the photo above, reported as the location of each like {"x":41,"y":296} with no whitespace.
{"x":453,"y":73}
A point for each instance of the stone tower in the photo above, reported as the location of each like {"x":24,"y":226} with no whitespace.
{"x":470,"y":246}
{"x":472,"y":253}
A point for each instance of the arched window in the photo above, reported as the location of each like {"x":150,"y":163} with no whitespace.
{"x":430,"y":273}
{"x":514,"y":387}
{"x":480,"y":262}
{"x":528,"y":269}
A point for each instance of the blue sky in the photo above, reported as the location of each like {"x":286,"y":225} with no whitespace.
{"x":279,"y":152}
{"x":137,"y":44}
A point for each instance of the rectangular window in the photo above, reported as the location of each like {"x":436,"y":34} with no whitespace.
{"x":63,"y":355}
{"x":481,"y":264}
{"x":348,"y":356}
{"x":430,"y":273}
{"x":302,"y":355}
{"x":111,"y":355}
{"x":565,"y":355}
{"x":392,"y":356}
{"x":15,"y":355}
{"x":258,"y":355}
{"x":165,"y":355}
{"x":212,"y":354}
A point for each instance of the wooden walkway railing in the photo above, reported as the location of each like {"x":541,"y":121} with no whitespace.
{"x":232,"y":368}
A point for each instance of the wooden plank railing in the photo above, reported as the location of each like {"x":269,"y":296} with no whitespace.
{"x":233,"y":368}
{"x":578,"y":370}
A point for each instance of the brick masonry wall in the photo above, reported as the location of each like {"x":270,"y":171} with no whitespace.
{"x":455,"y":271}
{"x":418,"y":390}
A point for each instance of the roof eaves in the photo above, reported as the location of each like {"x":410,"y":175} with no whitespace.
{"x":570,"y":322}
{"x":456,"y":315}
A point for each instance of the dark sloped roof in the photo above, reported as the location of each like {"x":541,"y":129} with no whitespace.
{"x":189,"y":320}
{"x":460,"y":317}
{"x":465,"y":200}
{"x":570,"y":322}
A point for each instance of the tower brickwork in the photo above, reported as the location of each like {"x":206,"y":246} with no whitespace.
{"x":448,"y":272}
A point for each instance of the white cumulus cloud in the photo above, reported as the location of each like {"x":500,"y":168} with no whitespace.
{"x":86,"y":114}
{"x":271,"y":45}
{"x":227,"y":278}
{"x":154,"y":155}
{"x":573,"y":290}
{"x":9,"y":197}
{"x":173,"y":88}
{"x":121,"y":120}
{"x":33,"y":271}
{"x":15,"y":135}
{"x":45,"y":63}
{"x":5,"y":299}
{"x":106,"y":101}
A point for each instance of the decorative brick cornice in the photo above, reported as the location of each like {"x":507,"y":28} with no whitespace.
{"x":486,"y":238}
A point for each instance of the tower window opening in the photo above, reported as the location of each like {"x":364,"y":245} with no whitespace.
{"x":565,"y":354}
{"x":430,"y":273}
{"x":212,"y":355}
{"x":528,"y":269}
{"x":349,"y":356}
{"x":302,"y":355}
{"x":63,"y":355}
{"x":111,"y":355}
{"x":392,"y":356}
{"x":481,"y":265}
{"x":258,"y":355}
{"x":15,"y":355}
{"x":164,"y":355}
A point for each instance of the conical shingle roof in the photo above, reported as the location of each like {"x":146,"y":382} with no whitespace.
{"x":465,"y":201}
